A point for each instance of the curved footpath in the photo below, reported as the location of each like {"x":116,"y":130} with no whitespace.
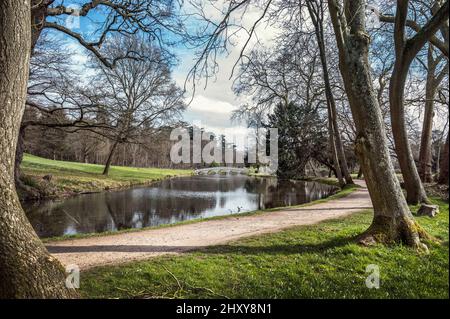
{"x":125,"y":247}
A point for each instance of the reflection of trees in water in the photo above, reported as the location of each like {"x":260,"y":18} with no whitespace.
{"x":167,"y":202}
{"x":214,"y":183}
{"x":101,"y":212}
{"x":71,"y":215}
{"x":277,"y":193}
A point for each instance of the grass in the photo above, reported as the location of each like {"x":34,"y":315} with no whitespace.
{"x":318,"y":261}
{"x":72,"y":177}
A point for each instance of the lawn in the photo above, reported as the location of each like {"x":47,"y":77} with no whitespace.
{"x":72,"y":177}
{"x":318,"y":261}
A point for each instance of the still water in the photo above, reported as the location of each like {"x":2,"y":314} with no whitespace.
{"x":169,"y":201}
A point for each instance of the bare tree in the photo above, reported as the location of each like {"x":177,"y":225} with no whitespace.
{"x":316,"y":12}
{"x":273,"y":78}
{"x":57,"y":98}
{"x":155,"y":19}
{"x":138,"y":92}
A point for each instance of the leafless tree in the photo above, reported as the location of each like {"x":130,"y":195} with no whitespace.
{"x":138,"y":92}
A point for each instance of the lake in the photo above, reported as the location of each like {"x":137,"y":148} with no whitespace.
{"x":167,"y":202}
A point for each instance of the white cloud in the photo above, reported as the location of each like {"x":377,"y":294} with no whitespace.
{"x":214,"y":104}
{"x":206,"y":104}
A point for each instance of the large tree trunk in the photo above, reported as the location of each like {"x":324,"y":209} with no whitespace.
{"x":443,"y":169}
{"x":392,"y":220}
{"x":27,"y":270}
{"x":316,"y":13}
{"x":415,"y":192}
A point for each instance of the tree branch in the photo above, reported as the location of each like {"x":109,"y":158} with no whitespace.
{"x":441,"y":45}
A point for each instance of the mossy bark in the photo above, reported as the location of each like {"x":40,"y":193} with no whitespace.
{"x":27,"y":270}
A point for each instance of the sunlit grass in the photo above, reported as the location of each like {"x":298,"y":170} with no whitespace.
{"x":80,"y":177}
{"x":319,"y":261}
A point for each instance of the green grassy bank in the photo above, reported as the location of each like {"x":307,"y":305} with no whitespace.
{"x":72,"y":177}
{"x":318,"y":261}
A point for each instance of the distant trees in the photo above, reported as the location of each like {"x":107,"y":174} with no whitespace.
{"x":291,"y":74}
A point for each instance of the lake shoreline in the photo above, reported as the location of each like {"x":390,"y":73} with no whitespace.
{"x":45,"y":179}
{"x":340,"y":193}
{"x":67,"y":195}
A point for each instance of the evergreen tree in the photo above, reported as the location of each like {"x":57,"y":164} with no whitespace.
{"x":300,"y":131}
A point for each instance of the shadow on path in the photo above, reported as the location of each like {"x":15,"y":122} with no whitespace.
{"x":218,"y":249}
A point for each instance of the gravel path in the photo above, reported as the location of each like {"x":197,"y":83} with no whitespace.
{"x":125,"y":247}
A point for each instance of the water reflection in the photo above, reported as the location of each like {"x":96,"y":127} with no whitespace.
{"x":168,"y":202}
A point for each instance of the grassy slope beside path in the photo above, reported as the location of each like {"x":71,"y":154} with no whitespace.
{"x":318,"y":261}
{"x":72,"y":177}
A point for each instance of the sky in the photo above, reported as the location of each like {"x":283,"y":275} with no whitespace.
{"x":211,"y":107}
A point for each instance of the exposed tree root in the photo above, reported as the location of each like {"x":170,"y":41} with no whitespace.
{"x":389,"y":231}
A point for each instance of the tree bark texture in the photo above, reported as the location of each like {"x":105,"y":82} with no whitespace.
{"x":27,"y":270}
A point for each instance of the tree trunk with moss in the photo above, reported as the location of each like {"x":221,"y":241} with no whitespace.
{"x":27,"y":270}
{"x":392,"y":220}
